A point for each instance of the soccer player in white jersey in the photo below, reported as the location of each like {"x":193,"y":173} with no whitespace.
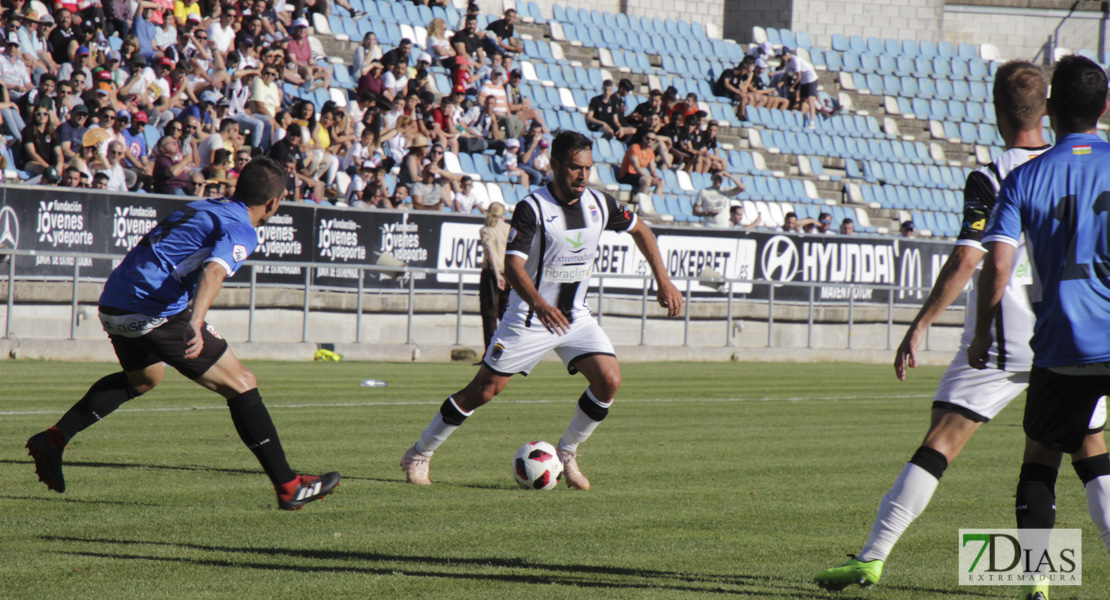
{"x":551,"y":249}
{"x":965,"y":398}
{"x":1059,"y":203}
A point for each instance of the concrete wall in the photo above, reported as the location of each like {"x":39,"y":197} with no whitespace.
{"x":741,"y":15}
{"x":916,"y":19}
{"x":1025,"y":32}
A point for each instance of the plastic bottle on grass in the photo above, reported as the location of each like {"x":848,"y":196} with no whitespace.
{"x":374,"y":383}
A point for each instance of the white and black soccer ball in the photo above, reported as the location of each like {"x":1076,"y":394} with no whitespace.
{"x":536,"y":466}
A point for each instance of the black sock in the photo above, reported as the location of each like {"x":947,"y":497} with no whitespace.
{"x":257,"y":431}
{"x":102,"y":398}
{"x":1036,"y":497}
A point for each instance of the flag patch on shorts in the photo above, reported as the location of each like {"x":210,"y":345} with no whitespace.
{"x":1084,"y":149}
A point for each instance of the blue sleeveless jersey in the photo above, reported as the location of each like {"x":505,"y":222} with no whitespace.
{"x":159,"y":275}
{"x":1061,"y":200}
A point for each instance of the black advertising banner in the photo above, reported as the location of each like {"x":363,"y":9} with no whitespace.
{"x":286,"y":238}
{"x":338,"y":241}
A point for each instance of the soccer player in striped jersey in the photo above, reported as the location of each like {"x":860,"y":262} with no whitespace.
{"x":551,"y":249}
{"x":965,"y":398}
{"x":1060,"y":204}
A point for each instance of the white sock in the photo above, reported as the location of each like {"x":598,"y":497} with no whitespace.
{"x":905,"y":501}
{"x":437,"y":432}
{"x":1098,"y":505}
{"x":581,"y":426}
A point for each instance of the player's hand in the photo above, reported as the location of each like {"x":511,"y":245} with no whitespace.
{"x":502,"y":283}
{"x":669,"y":298}
{"x":552,"y":318}
{"x":906,"y":357}
{"x":195,"y":343}
{"x":977,"y":352}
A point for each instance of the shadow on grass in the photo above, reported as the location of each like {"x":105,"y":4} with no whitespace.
{"x":207,"y":469}
{"x":231,"y":471}
{"x":53,"y":497}
{"x":591,"y":576}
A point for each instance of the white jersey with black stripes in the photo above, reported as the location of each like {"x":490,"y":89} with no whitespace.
{"x":559,"y":244}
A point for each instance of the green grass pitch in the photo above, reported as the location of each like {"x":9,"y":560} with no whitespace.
{"x":709,"y":480}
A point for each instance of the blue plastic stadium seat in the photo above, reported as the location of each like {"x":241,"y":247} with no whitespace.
{"x":944,"y":89}
{"x":869,"y":63}
{"x":892,"y":86}
{"x":874,"y":83}
{"x":874,"y":46}
{"x":904,"y":67}
{"x":956,"y":110}
{"x":905,"y":105}
{"x":839,"y":43}
{"x":959,"y":69}
{"x":787,"y":38}
{"x":926,"y":88}
{"x":887,"y":64}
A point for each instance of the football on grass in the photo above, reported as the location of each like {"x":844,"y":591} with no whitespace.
{"x":536,"y":466}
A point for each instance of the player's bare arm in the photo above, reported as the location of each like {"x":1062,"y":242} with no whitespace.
{"x":954,"y":275}
{"x":211,"y":281}
{"x":668,"y":295}
{"x":992,"y":282}
{"x":552,"y":318}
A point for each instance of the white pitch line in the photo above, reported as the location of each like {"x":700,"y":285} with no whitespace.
{"x":438,"y":402}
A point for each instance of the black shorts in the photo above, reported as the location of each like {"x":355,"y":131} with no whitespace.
{"x":632,"y":179}
{"x":1059,"y":408}
{"x":808,"y":90}
{"x":167,"y":344}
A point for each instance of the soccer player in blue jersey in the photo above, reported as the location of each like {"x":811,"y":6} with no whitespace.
{"x":145,"y":311}
{"x":965,"y":398}
{"x":1061,"y":203}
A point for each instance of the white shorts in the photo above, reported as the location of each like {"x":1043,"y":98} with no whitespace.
{"x":515,"y":348}
{"x":983,"y":394}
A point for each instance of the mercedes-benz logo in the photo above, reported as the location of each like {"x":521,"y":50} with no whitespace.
{"x":779,"y":259}
{"x":9,"y":228}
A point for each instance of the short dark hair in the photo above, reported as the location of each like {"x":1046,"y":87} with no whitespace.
{"x":294,"y":130}
{"x":788,"y":215}
{"x":626,"y":85}
{"x":1078,"y":93}
{"x":227,"y":124}
{"x":568,"y":143}
{"x":262,"y":180}
{"x":821,"y":217}
{"x":1019,"y":90}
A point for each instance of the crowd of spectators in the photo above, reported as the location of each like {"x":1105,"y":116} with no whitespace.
{"x":81,"y":83}
{"x":176,"y":96}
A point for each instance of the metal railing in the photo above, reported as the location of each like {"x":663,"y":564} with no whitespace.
{"x":405,"y":274}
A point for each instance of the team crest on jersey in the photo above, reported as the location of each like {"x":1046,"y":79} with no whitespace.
{"x":497,"y":351}
{"x":212,"y":330}
{"x":239,"y":253}
{"x":595,"y":214}
{"x":512,"y":234}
